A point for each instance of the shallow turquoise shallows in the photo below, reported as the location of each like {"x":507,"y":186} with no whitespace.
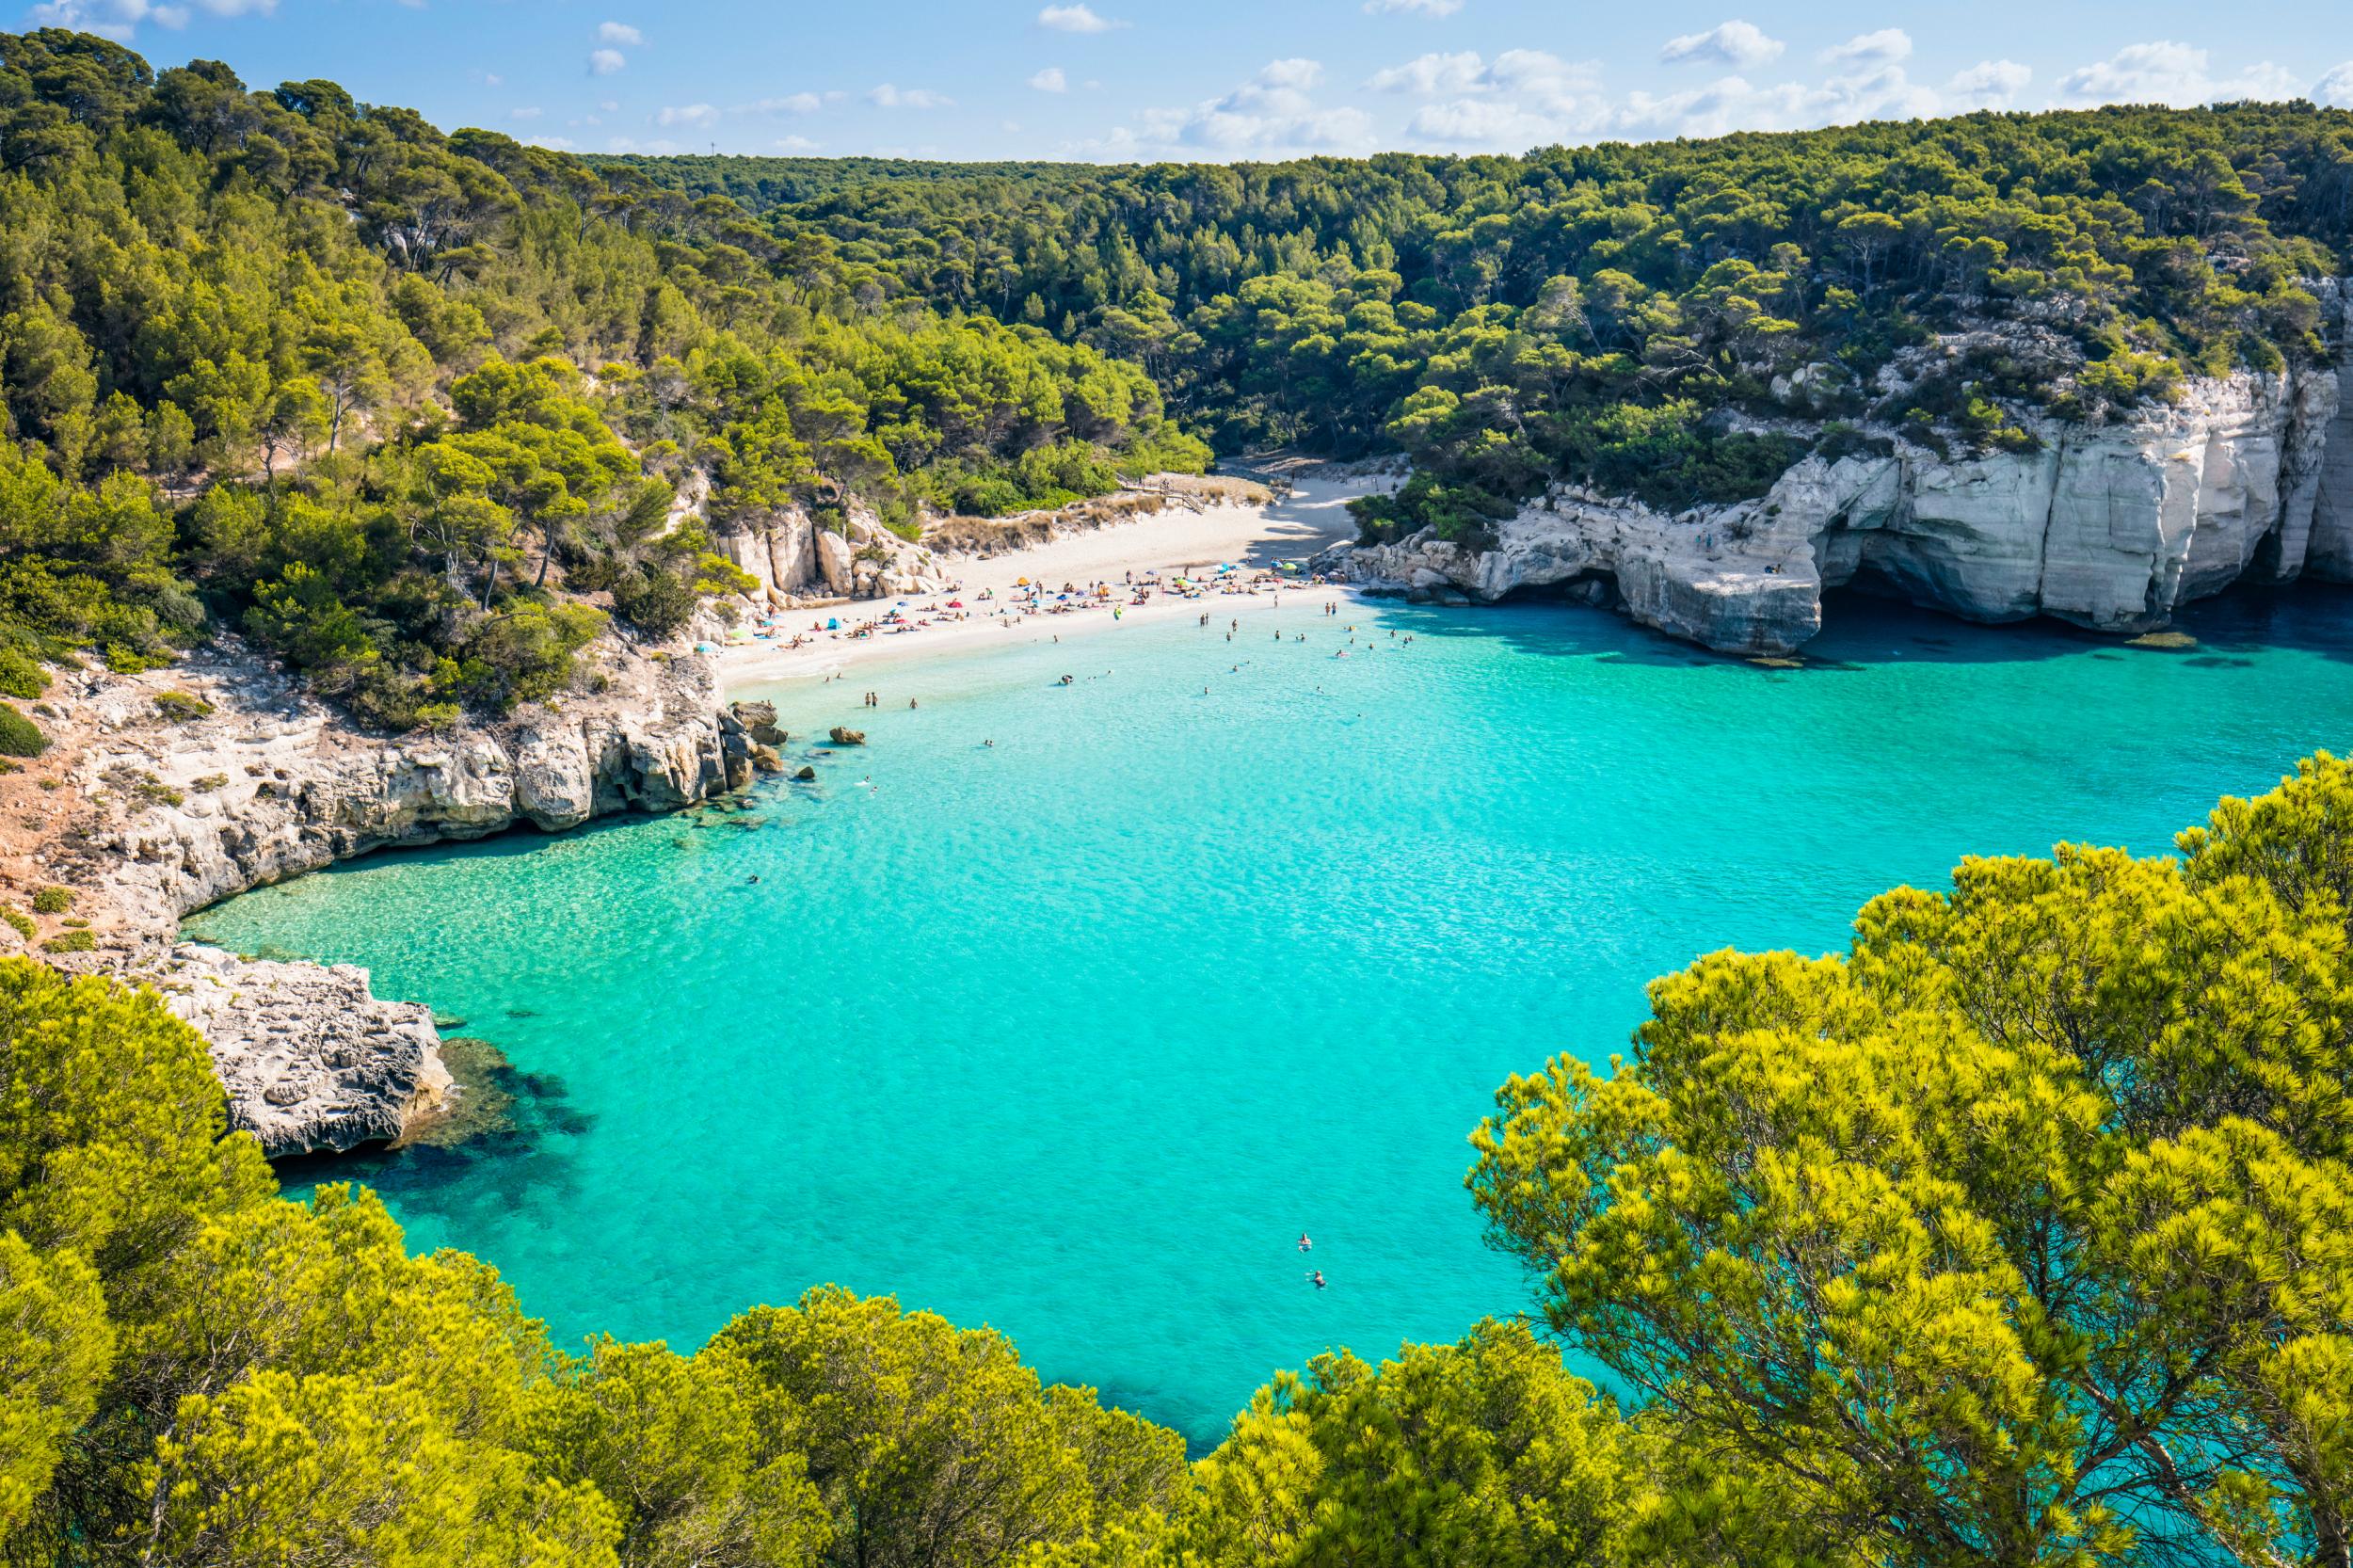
{"x":1075,"y":1034}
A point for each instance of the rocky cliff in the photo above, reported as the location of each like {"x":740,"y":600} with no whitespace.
{"x":2111,"y":526}
{"x":265,"y":783}
{"x":795,"y":562}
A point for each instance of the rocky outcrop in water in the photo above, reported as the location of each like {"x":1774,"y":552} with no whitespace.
{"x":274,"y":783}
{"x":269,"y":782}
{"x":2112,"y":526}
{"x":311,"y":1059}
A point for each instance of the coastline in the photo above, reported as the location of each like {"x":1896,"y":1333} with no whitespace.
{"x":166,"y":818}
{"x":1253,"y":538}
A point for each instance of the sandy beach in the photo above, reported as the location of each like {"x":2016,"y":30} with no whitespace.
{"x":1250,"y":539}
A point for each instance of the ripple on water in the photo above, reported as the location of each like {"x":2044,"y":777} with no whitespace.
{"x":1075,"y":1034}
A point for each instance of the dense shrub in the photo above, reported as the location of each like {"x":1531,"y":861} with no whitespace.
{"x":19,"y":735}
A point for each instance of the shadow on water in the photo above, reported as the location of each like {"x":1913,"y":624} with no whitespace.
{"x":1860,"y":630}
{"x":510,"y":1150}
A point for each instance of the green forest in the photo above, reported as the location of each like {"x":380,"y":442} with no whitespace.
{"x":412,"y":409}
{"x":2020,"y":1234}
{"x":417,"y":410}
{"x":1618,"y":314}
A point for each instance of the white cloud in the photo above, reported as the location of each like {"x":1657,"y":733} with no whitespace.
{"x":1051,"y":80}
{"x":1734,"y":44}
{"x":889,"y":97}
{"x":2161,"y":73}
{"x":1733,"y":103}
{"x":115,"y":19}
{"x":791,"y":103}
{"x":1523,"y":98}
{"x":1987,"y":85}
{"x":1556,"y":84}
{"x":1428,"y":74}
{"x":687,"y":114}
{"x":660,"y":145}
{"x":2175,"y":73}
{"x":1418,"y":8}
{"x":1271,"y":114}
{"x":2336,"y":91}
{"x":554,"y":144}
{"x":492,"y":79}
{"x":532,"y":113}
{"x":1074,"y":19}
{"x":1884,"y":47}
{"x":604,"y":62}
{"x":610,"y":106}
{"x":1293,"y":75}
{"x":795,"y":144}
{"x":1483,"y":123}
{"x":619,"y":32}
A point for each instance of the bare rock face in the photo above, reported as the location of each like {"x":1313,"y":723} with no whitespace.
{"x":834,"y":563}
{"x":272,"y":783}
{"x":792,"y":560}
{"x":310,"y":1059}
{"x":2112,"y":527}
{"x":2328,"y":548}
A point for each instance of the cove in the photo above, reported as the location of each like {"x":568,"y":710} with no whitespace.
{"x":1074,"y":1033}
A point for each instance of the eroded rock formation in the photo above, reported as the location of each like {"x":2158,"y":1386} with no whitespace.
{"x":2112,"y":527}
{"x":310,"y":1057}
{"x":795,"y":562}
{"x":271,"y":783}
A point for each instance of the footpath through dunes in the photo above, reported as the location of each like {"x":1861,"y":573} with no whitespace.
{"x":1074,"y":1033}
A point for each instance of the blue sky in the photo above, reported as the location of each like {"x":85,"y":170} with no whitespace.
{"x":1224,"y":79}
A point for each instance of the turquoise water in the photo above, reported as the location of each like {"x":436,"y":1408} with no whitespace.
{"x":1074,"y":1035}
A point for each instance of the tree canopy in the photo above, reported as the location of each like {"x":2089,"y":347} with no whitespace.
{"x":2020,"y":1233}
{"x":414,"y":407}
{"x":1597,"y":312}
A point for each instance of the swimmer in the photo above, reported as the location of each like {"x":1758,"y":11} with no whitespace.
{"x":1306,"y":1245}
{"x":1318,"y":1278}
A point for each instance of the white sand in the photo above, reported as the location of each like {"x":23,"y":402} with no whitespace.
{"x":1174,"y":543}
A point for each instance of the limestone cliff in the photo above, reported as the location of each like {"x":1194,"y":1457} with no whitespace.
{"x":2110,"y":526}
{"x":270,"y":783}
{"x":795,"y":562}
